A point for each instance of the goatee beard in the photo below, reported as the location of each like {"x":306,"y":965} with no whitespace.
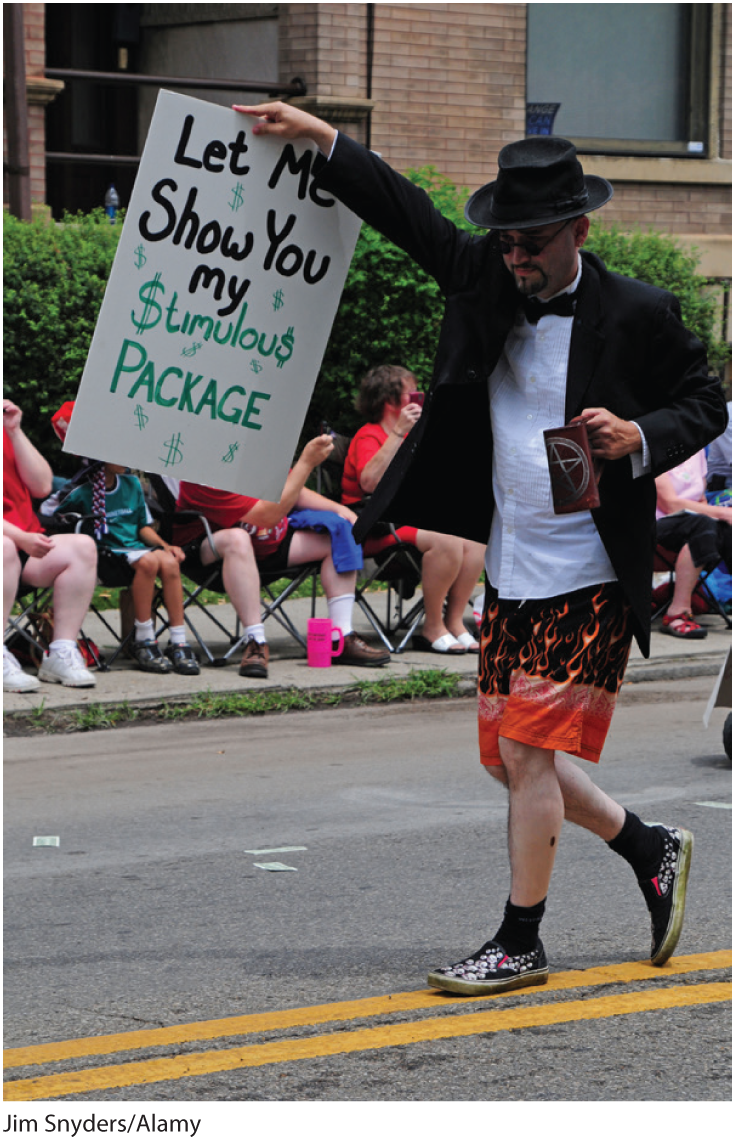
{"x":528,"y":286}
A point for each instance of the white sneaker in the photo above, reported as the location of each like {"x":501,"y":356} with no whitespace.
{"x":14,"y":679}
{"x":66,"y":667}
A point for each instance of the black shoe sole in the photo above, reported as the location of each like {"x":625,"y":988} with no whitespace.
{"x":669,"y":942}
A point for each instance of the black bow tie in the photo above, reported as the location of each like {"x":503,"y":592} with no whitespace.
{"x":562,"y":306}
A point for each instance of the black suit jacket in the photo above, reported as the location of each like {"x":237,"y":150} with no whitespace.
{"x":629,"y":353}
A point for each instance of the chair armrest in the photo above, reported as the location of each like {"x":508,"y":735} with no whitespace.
{"x":188,"y":516}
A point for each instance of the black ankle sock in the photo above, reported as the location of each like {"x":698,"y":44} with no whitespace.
{"x":518,"y":932}
{"x":639,"y":844}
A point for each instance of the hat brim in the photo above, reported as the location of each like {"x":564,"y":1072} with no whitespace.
{"x":480,"y":211}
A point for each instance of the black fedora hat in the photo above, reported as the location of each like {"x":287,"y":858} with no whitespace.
{"x":540,"y":180}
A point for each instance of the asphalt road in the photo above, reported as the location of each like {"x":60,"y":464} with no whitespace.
{"x":151,"y":913}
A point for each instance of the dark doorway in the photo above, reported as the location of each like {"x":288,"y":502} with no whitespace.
{"x":91,"y":118}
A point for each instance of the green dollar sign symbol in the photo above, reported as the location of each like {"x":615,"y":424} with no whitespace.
{"x":231,"y":453}
{"x":147,"y":294}
{"x":278,"y":300}
{"x":141,"y":417}
{"x":174,"y":451}
{"x":140,"y":254}
{"x":237,"y":198}
{"x":284,"y":352}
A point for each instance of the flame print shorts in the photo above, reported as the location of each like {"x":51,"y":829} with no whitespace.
{"x":550,"y":670}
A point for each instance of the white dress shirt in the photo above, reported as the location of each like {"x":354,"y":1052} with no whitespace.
{"x":533,"y":553}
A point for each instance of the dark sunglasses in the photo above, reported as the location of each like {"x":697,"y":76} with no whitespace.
{"x":532,"y":246}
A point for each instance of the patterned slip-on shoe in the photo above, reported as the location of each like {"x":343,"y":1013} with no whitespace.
{"x":491,"y":970}
{"x":665,"y":893}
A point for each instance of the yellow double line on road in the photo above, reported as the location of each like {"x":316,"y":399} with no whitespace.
{"x":489,"y":1020}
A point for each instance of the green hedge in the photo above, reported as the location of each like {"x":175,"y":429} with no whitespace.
{"x":390,"y":310}
{"x":54,"y":280}
{"x":390,"y":313}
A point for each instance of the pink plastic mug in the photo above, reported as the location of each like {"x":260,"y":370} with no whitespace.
{"x":319,"y":649}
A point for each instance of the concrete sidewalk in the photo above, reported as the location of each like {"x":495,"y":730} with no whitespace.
{"x":670,"y":658}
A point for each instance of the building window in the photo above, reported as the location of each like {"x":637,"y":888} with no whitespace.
{"x":629,"y":78}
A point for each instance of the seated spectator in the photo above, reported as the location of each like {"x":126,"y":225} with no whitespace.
{"x":32,"y":558}
{"x":719,"y":458}
{"x":233,"y":547}
{"x":277,"y":544}
{"x":450,"y":566}
{"x":697,"y":531}
{"x":124,"y":533}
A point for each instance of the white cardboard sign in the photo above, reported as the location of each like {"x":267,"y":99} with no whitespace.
{"x":216,"y":315}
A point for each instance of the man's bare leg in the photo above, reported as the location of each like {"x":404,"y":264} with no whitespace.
{"x":584,"y":803}
{"x":535,"y":817}
{"x":660,"y":856}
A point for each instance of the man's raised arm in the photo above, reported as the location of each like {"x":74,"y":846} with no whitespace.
{"x":287,"y":122}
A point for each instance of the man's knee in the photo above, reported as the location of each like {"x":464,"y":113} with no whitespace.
{"x":498,"y":772}
{"x":522,"y":761}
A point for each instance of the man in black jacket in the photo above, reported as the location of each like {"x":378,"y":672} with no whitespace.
{"x":535,"y":334}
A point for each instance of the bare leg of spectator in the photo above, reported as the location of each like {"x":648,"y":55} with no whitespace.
{"x":71,"y":567}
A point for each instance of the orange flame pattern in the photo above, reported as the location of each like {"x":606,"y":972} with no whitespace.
{"x":550,"y":670}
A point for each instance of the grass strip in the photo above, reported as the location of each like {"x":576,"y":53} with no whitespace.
{"x":419,"y":684}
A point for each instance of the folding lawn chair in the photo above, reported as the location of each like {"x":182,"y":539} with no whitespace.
{"x":278,"y":586}
{"x":664,"y":562}
{"x":393,"y":563}
{"x":24,"y":634}
{"x":112,"y":572}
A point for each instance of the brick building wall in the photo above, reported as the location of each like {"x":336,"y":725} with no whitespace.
{"x":725,"y":93}
{"x":39,"y":92}
{"x":449,"y":90}
{"x":449,"y":86}
{"x":326,"y":46}
{"x":34,"y":24}
{"x":679,"y":209}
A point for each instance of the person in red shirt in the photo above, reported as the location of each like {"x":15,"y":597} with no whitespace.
{"x":252,"y":532}
{"x":450,"y":566}
{"x":68,"y":562}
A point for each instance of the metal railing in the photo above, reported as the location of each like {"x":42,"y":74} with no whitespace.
{"x":126,"y":78}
